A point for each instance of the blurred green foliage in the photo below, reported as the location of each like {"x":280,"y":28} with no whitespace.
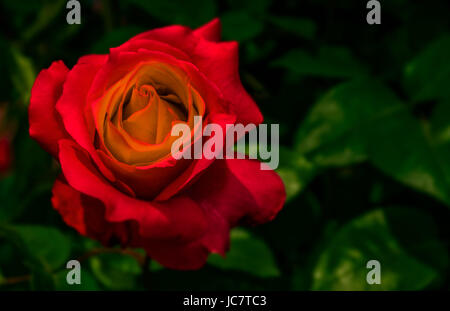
{"x":364,"y":114}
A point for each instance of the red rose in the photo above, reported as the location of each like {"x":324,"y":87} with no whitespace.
{"x":108,"y":122}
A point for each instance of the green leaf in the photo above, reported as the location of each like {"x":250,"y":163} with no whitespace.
{"x":155,"y":266}
{"x":331,"y":133}
{"x":301,"y":279}
{"x":46,"y":15}
{"x":35,"y":259}
{"x":41,"y":280}
{"x":295,"y":171}
{"x":11,"y":257}
{"x":23,"y":74}
{"x":247,"y":254}
{"x":9,"y":198}
{"x":301,"y":27}
{"x":47,"y":244}
{"x":363,"y":119}
{"x":240,"y":26}
{"x":257,"y":51}
{"x":374,"y":236}
{"x":116,"y":271}
{"x":330,"y":62}
{"x":440,"y":128}
{"x":5,"y":64}
{"x":427,"y":76}
{"x":440,"y":122}
{"x":21,"y":13}
{"x":88,"y":282}
{"x":191,"y":13}
{"x":292,"y":183}
{"x":18,"y":72}
{"x":398,"y":146}
{"x":300,"y":219}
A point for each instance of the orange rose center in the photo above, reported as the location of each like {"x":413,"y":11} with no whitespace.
{"x":135,"y":116}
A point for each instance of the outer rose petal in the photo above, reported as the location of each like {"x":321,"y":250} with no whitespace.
{"x":220,"y":63}
{"x":67,"y":201}
{"x":182,"y":256}
{"x":86,"y":214}
{"x":45,"y":123}
{"x":177,"y":36}
{"x":178,"y":219}
{"x":72,"y":103}
{"x":76,"y":116}
{"x":238,"y":189}
{"x":210,"y":31}
{"x":229,"y":191}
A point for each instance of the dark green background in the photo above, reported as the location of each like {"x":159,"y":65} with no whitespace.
{"x":364,"y":114}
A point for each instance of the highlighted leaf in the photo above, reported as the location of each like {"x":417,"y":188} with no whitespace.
{"x":362,"y":120}
{"x":248,"y":254}
{"x":410,"y":259}
{"x":427,"y":76}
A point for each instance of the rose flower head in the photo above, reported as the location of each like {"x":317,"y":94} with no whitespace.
{"x":108,"y":122}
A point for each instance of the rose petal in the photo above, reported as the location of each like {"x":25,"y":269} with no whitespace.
{"x":210,"y":31}
{"x":180,"y":37}
{"x":177,"y":256}
{"x":76,"y":116}
{"x":136,"y":44}
{"x":45,"y":123}
{"x":219,"y":62}
{"x":67,"y":201}
{"x":86,"y":214}
{"x":72,"y":103}
{"x":239,"y":189}
{"x":198,"y":165}
{"x":230,"y":191}
{"x":180,"y":218}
